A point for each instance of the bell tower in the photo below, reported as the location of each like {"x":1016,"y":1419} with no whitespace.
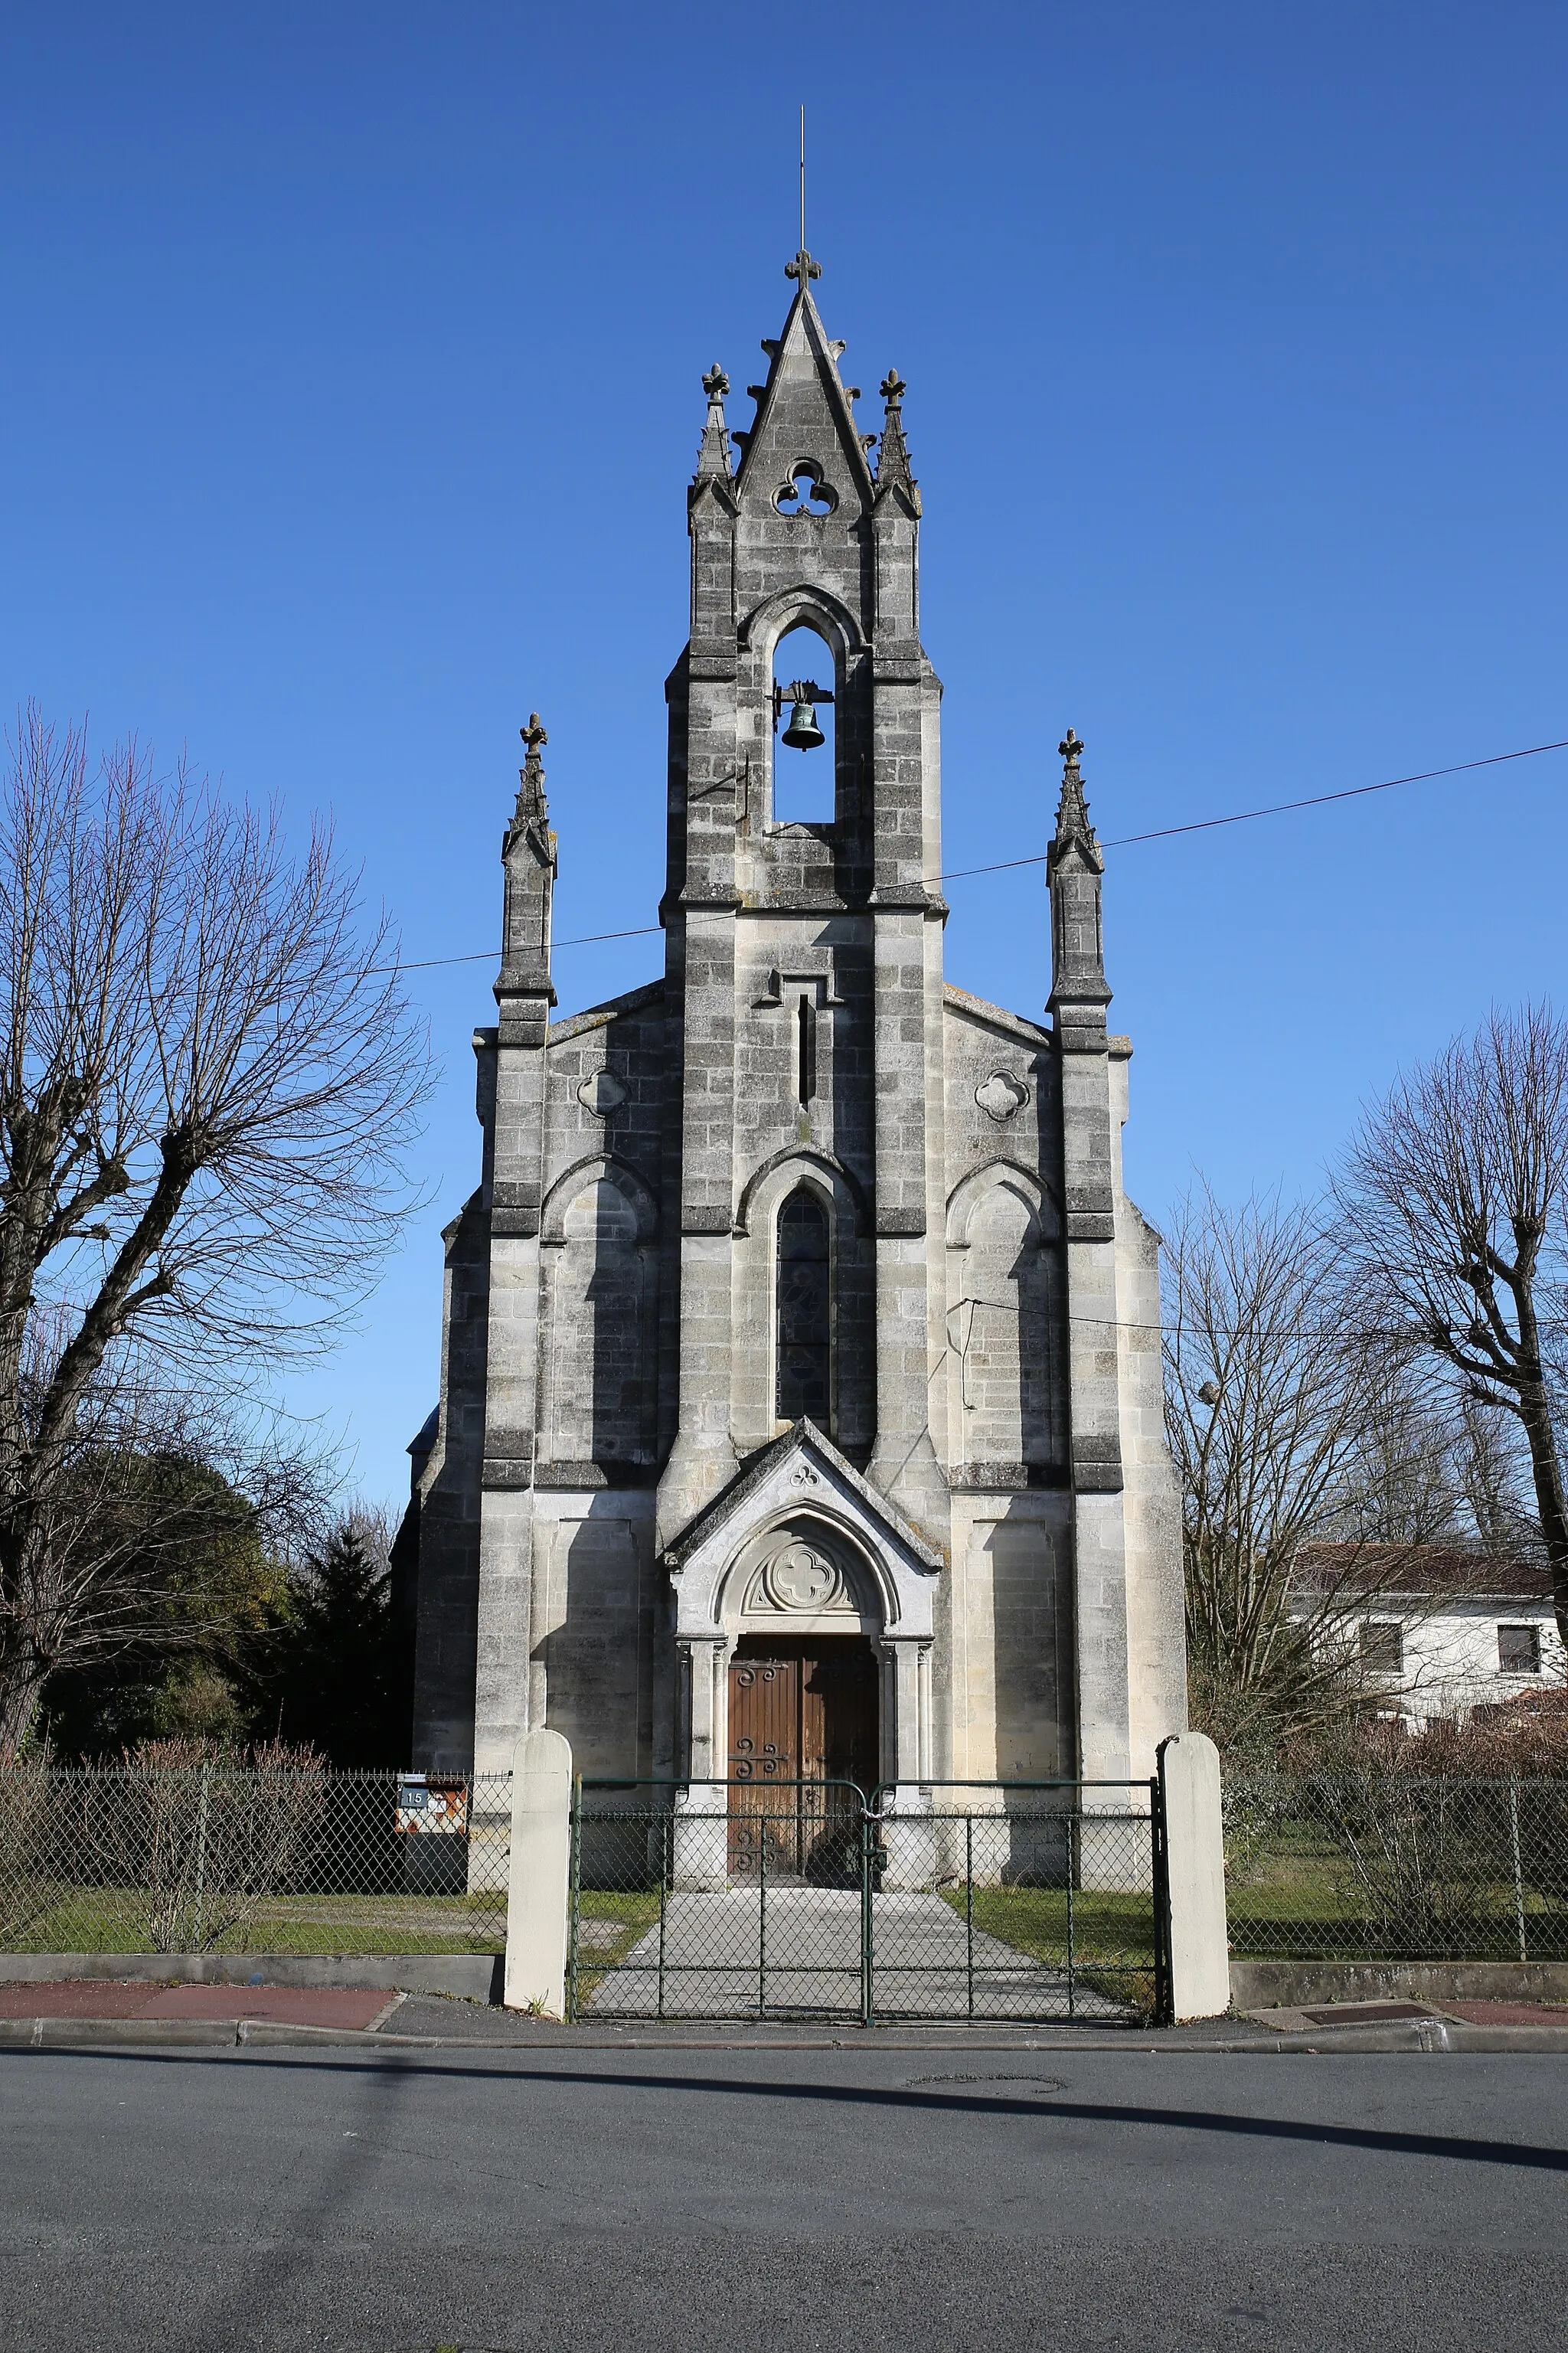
{"x":800,"y":1316}
{"x":803,"y":962}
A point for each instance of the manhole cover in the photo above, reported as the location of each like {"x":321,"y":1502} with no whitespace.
{"x":1036,"y":2082}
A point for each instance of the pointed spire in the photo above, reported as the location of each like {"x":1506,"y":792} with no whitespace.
{"x":893,"y":460}
{"x":522,"y":987}
{"x":713,"y":458}
{"x":528,"y":859}
{"x":1073,"y":826}
{"x":531,"y":815}
{"x":1074,"y":866}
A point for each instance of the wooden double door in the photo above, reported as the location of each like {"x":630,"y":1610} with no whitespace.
{"x":803,"y":1717}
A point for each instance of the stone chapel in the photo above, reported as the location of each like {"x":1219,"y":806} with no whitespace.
{"x":800,"y":1374}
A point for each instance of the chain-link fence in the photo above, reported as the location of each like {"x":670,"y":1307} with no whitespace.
{"x":811,"y":1899}
{"x":1052,"y":1897}
{"x":1353,"y":1864}
{"x":259,"y":1859}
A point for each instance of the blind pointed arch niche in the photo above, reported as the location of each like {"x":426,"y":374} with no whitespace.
{"x":1005,"y":1329}
{"x":598,"y":1308}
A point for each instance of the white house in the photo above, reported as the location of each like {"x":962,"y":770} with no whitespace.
{"x":1444,"y":1631}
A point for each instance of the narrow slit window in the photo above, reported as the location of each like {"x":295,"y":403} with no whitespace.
{"x":806,"y":1049}
{"x":803,"y":1383}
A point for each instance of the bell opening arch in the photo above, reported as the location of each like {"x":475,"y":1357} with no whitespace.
{"x":801,"y":636}
{"x":803,"y":767}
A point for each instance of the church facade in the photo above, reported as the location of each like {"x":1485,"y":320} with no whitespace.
{"x":800,"y":1384}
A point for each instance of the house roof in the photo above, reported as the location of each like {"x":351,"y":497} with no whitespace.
{"x":1456,"y":1572}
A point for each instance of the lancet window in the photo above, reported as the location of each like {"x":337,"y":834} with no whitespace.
{"x":804,"y":1341}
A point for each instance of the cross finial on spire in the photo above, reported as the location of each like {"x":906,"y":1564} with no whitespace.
{"x":716,"y":383}
{"x":532,"y":735}
{"x":894,"y":388}
{"x":1070,"y":748}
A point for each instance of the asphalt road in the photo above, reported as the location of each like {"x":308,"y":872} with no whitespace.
{"x":793,"y":2199}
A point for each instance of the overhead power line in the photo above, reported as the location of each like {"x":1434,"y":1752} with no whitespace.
{"x":487,"y":955}
{"x":1039,"y":858}
{"x":1274,"y":808}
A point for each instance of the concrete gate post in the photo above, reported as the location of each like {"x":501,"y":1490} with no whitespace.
{"x":537,"y":1886}
{"x":1198,"y":1938}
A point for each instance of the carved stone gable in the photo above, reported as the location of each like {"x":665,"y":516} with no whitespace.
{"x":802,"y":1524}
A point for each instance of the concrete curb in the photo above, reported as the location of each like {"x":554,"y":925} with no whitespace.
{"x":188,"y":2034}
{"x":44,"y":2033}
{"x":1426,"y":2037}
{"x":1297,"y":1984}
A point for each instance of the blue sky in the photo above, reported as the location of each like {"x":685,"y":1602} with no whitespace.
{"x":349,"y":389}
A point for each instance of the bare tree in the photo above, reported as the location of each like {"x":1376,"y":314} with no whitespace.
{"x":1291,"y":1432}
{"x":1455,"y":1200}
{"x":208,"y":1076}
{"x":1404,"y":1479}
{"x":1494,"y":1475}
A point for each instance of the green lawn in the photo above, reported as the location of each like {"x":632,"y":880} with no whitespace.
{"x":1298,"y":1900}
{"x":113,"y":1920}
{"x":1113,"y":1935}
{"x":1106,"y":1928}
{"x":610,"y":1923}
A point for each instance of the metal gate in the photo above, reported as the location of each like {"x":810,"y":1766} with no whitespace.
{"x":1031,"y":1901}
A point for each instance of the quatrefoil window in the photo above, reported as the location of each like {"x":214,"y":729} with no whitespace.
{"x":805,"y":492}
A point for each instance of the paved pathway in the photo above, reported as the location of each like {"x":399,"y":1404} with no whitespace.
{"x":724,"y":1958}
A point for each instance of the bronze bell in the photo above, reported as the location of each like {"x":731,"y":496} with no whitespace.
{"x":803,"y":731}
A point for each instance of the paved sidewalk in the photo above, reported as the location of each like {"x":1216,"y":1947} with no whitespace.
{"x":357,"y":2009}
{"x":86,"y":2014}
{"x":1508,"y":2013}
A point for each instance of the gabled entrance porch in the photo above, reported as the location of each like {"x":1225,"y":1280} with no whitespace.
{"x":800,"y":1565}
